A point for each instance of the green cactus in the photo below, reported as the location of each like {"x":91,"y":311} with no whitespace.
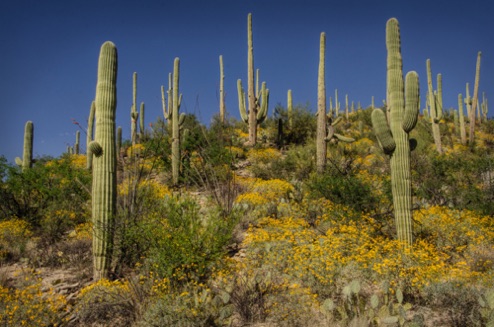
{"x":435,"y":106}
{"x":471,"y":135}
{"x":89,"y":136}
{"x":142,"y":128}
{"x":257,"y":102}
{"x":134,"y":115}
{"x":77,"y":140}
{"x":222,"y":92}
{"x":394,"y":138}
{"x":325,"y":124}
{"x":27,"y":156}
{"x":170,"y":113}
{"x":104,"y":162}
{"x":461,"y":118}
{"x":485,"y":109}
{"x":321,"y":146}
{"x":290,"y":109}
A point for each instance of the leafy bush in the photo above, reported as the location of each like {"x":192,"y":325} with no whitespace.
{"x":14,"y":235}
{"x":27,"y":304}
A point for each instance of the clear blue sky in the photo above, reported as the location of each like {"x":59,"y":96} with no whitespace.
{"x":49,"y":53}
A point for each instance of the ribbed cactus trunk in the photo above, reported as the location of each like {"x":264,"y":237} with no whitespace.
{"x":142,"y":128}
{"x":461,"y":118}
{"x":175,"y":123}
{"x":290,"y":109}
{"x":104,"y":162}
{"x":89,"y":136}
{"x":321,"y":146}
{"x":134,"y":115}
{"x":222,"y":92}
{"x":27,"y":153}
{"x":394,"y":138}
{"x":77,"y":140}
{"x":250,"y":84}
{"x":471,"y":135}
{"x":435,"y":106}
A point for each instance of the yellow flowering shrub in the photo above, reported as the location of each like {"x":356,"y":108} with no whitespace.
{"x":321,"y":256}
{"x":256,"y":156}
{"x":79,"y":161}
{"x":14,"y":235}
{"x":28,"y":305}
{"x":260,"y":192}
{"x":152,"y":187}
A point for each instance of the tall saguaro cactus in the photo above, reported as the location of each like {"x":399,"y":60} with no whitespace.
{"x":134,"y":115}
{"x":257,"y":103}
{"x":104,"y":162}
{"x":435,"y":105}
{"x":222,"y":92}
{"x":321,"y":146}
{"x":471,"y":135}
{"x":461,"y":119}
{"x":171,"y":114}
{"x":77,"y":144}
{"x":27,"y":154}
{"x":142,"y":128}
{"x":394,"y":138}
{"x":289,"y":106}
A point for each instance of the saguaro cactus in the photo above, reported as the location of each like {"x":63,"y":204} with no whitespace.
{"x":289,"y":106}
{"x":257,"y":103}
{"x":27,"y":155}
{"x":471,"y":135}
{"x":325,"y":124}
{"x":134,"y":115}
{"x":435,"y":105}
{"x":321,"y":146}
{"x":222,"y":92}
{"x":171,"y":114}
{"x":89,"y":136}
{"x":394,"y":138}
{"x":141,"y":122}
{"x":104,"y":162}
{"x":77,"y":140}
{"x":461,"y":119}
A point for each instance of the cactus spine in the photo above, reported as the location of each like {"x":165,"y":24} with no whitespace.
{"x":104,"y":162}
{"x":257,"y":102}
{"x":89,"y":136}
{"x":321,"y":146}
{"x":222,"y":92}
{"x":27,"y":154}
{"x":471,"y":135}
{"x":435,"y":105}
{"x":394,"y":138}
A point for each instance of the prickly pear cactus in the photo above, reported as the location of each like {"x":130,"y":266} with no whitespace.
{"x":104,"y":162}
{"x":394,"y":137}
